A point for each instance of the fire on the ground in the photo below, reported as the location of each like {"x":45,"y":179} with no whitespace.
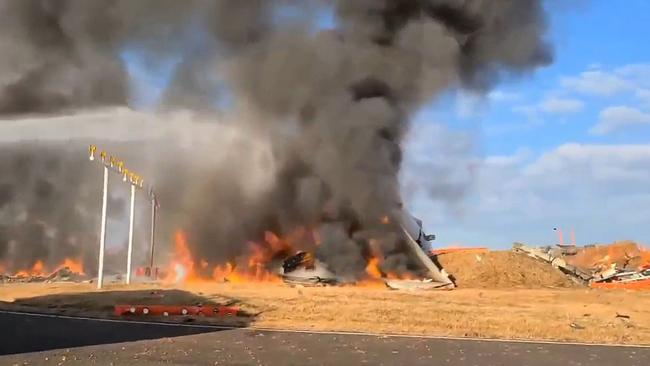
{"x":624,"y":265}
{"x":278,"y":259}
{"x":273,"y":259}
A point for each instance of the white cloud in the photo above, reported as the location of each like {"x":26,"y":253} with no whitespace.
{"x":498,"y":130}
{"x":507,"y":161}
{"x":598,"y":190}
{"x":611,"y":163}
{"x":614,"y":119}
{"x":550,"y":106}
{"x":528,"y":110}
{"x":469,"y":105}
{"x":597,"y":82}
{"x":637,"y":73}
{"x":503,"y":96}
{"x":644,"y":96}
{"x":602,"y":82}
{"x":561,"y":106}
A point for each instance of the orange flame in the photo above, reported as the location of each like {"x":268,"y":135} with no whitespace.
{"x":259,"y":262}
{"x":36,"y":270}
{"x":622,"y":254}
{"x":372,"y":269}
{"x":39,"y":269}
{"x":251,"y":268}
{"x":72,"y":265}
{"x":644,"y":253}
{"x":181,"y":269}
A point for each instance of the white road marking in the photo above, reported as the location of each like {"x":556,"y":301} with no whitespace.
{"x":341,"y":333}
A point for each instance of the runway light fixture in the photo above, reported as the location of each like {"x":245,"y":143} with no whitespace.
{"x":113,"y":163}
{"x":91,"y":152}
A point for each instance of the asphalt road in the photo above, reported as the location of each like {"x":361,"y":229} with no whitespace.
{"x":149,"y":344}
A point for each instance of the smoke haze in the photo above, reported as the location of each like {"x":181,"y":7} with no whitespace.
{"x":314,"y":137}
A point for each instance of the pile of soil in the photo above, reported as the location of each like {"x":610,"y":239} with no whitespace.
{"x":502,"y":269}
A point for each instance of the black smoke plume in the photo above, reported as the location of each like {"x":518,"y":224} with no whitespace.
{"x":332,"y":102}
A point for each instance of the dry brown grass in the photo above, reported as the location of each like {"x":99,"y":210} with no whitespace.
{"x":539,"y":314}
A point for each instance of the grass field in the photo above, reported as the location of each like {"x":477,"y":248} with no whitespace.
{"x":574,"y":314}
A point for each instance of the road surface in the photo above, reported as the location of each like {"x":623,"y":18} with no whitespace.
{"x":148,"y":344}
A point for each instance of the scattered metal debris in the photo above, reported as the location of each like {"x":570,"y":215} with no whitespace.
{"x":64,"y":274}
{"x":427,"y":284}
{"x":314,"y":281}
{"x":303,"y":269}
{"x":556,"y":260}
{"x":577,"y":326}
{"x":641,"y":284}
{"x":300,"y":259}
{"x":610,"y":276}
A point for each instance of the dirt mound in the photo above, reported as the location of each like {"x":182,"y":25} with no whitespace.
{"x":502,"y":269}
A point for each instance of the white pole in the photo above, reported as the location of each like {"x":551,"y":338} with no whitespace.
{"x":130,"y":250}
{"x":153,"y":236}
{"x":102,"y":234}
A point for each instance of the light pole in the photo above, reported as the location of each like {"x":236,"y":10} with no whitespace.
{"x":135,"y":181}
{"x":130,"y":248}
{"x":102,"y":232}
{"x":154,"y":208}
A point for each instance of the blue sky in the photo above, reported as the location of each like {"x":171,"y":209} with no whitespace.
{"x":566,"y":146}
{"x":594,"y":35}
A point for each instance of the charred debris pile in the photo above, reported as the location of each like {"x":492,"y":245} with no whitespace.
{"x":64,"y":274}
{"x":621,"y":265}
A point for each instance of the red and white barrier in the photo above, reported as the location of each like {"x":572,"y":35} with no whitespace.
{"x":170,"y":310}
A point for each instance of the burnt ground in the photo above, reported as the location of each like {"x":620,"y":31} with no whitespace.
{"x":116,"y":343}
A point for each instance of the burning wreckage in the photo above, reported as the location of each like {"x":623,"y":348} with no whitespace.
{"x":622,"y":265}
{"x":279,"y":259}
{"x":68,"y":271}
{"x":275,"y":259}
{"x":304,"y":269}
